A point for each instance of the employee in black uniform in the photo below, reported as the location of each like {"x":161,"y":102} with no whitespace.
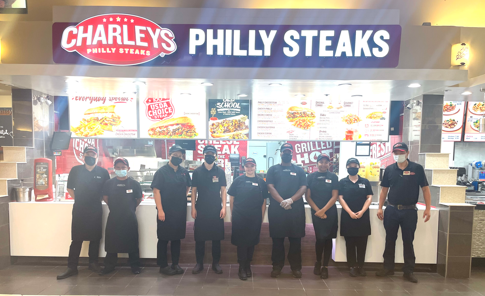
{"x":85,"y":185}
{"x":321,"y":195}
{"x":402,"y":180}
{"x":208,"y":209}
{"x":286,"y":183}
{"x":122,"y":194}
{"x":170,"y":186}
{"x":355,"y":196}
{"x":247,"y":195}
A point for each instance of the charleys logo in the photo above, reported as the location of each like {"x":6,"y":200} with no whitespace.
{"x":119,"y":39}
{"x":78,"y":146}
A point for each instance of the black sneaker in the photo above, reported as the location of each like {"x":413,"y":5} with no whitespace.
{"x":198,"y":268}
{"x":384,"y":272}
{"x":362,"y":271}
{"x":296,"y":273}
{"x":167,"y":270}
{"x":249,"y":273}
{"x":317,"y":270}
{"x":275,"y":272}
{"x":242,"y":273}
{"x":217,"y":268}
{"x":354,"y":272}
{"x":178,"y":269}
{"x":324,"y":273}
{"x":68,"y":273}
{"x":106,"y":271}
{"x":410,"y":277}
{"x":94,"y":267}
{"x":135,"y":270}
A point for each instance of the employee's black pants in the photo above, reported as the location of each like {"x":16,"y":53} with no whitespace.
{"x":294,"y":254}
{"x":245,"y":255}
{"x":162,"y":252}
{"x":323,"y":249}
{"x":111,"y":259}
{"x":356,"y":246}
{"x":75,"y":252}
{"x":407,"y":219}
{"x":200,"y":251}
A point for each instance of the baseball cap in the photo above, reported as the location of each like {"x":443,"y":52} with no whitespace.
{"x":210,"y":148}
{"x":176,"y":148}
{"x":90,"y":148}
{"x":322,"y":156}
{"x":286,"y":146}
{"x":122,"y":160}
{"x":353,"y":160}
{"x":400,"y":147}
{"x":250,"y":160}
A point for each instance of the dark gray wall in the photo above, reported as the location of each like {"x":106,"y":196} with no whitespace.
{"x":431,"y":124}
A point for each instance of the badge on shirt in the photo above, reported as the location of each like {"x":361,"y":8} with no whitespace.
{"x":215,"y":179}
{"x":328,"y":181}
{"x":406,"y":173}
{"x":129,"y":190}
{"x":293,"y":173}
{"x":255,"y":184}
{"x":361,"y":185}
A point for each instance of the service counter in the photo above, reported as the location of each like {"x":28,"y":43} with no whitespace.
{"x":44,"y":230}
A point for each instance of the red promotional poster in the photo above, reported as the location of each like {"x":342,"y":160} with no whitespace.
{"x":383,"y":150}
{"x":307,"y":153}
{"x":118,"y":39}
{"x":224,"y":149}
{"x":73,"y":156}
{"x":159,"y":108}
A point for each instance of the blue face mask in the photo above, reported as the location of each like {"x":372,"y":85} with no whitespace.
{"x":121,"y":173}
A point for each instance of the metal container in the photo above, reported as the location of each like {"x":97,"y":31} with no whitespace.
{"x":22,"y":194}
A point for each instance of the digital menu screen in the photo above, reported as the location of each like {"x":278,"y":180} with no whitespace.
{"x":475,"y":111}
{"x":452,"y":126}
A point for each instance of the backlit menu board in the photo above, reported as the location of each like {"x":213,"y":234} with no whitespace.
{"x":321,"y":119}
{"x":229,"y":119}
{"x":452,"y":126}
{"x":475,"y":111}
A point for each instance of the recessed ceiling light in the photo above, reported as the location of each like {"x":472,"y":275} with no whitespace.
{"x":345,"y":84}
{"x":414,"y":85}
{"x":242,"y":95}
{"x":275,"y":84}
{"x":207,"y":84}
{"x":300,"y":95}
{"x":356,"y":96}
{"x":466,"y":93}
{"x":185,"y":94}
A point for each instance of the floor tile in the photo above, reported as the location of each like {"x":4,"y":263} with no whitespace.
{"x":56,"y":290}
{"x":159,"y":290}
{"x":187,"y":291}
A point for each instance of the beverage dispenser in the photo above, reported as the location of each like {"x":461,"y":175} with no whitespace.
{"x":43,"y":180}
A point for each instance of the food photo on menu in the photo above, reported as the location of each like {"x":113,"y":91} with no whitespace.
{"x":229,"y":119}
{"x":300,"y":117}
{"x":180,"y":127}
{"x":475,"y":113}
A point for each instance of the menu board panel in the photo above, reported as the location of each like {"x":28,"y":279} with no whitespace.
{"x":6,"y":127}
{"x":173,"y":118}
{"x":452,"y":126}
{"x":103,"y":117}
{"x":475,"y":111}
{"x":322,"y":119}
{"x":229,"y":119}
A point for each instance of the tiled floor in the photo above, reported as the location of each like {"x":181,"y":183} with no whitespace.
{"x":41,"y":280}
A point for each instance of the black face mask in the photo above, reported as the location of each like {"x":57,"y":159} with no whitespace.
{"x":352,"y":171}
{"x":89,"y":160}
{"x":286,"y":158}
{"x":210,"y":159}
{"x":176,"y":160}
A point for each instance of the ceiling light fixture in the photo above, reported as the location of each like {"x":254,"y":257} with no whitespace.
{"x":345,"y":84}
{"x":414,"y":85}
{"x":466,"y":93}
{"x":300,"y":95}
{"x":356,"y":96}
{"x":275,"y":84}
{"x":185,"y":94}
{"x":207,"y":84}
{"x":242,"y":95}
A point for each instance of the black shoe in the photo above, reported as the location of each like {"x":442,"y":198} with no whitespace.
{"x":324,"y":273}
{"x":198,"y":268}
{"x":178,"y":269}
{"x":354,"y":272}
{"x":167,"y":270}
{"x":217,"y":268}
{"x":296,"y":273}
{"x":275,"y":272}
{"x":362,"y":272}
{"x":410,"y":277}
{"x":384,"y":272}
{"x":317,"y":270}
{"x":68,"y":273}
{"x":94,"y":267}
{"x":135,"y":269}
{"x":249,"y":273}
{"x":106,"y":271}
{"x":242,"y":273}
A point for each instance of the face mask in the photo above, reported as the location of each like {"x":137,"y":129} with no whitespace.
{"x":286,"y":158}
{"x":121,"y":173}
{"x":210,"y":159}
{"x":176,"y":160}
{"x":400,"y":158}
{"x":352,"y":171}
{"x":89,"y":160}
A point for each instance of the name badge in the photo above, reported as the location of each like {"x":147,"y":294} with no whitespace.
{"x":406,"y":173}
{"x":321,"y":177}
{"x":361,"y":185}
{"x":293,"y":173}
{"x":129,"y":191}
{"x":328,"y":181}
{"x":99,"y":177}
{"x":215,"y":179}
{"x":255,"y":184}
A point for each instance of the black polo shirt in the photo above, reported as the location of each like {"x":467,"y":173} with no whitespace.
{"x":172,"y":184}
{"x":87,"y":185}
{"x":355,"y":194}
{"x":404,"y":184}
{"x":208,"y":183}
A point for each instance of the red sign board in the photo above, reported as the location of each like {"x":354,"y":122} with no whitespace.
{"x":159,"y":108}
{"x":383,"y":150}
{"x":224,"y":149}
{"x":119,"y":39}
{"x":73,"y":156}
{"x":307,"y":153}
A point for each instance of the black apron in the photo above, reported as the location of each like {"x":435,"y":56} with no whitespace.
{"x":174,"y":203}
{"x":321,"y":187}
{"x":122,"y":226}
{"x":87,"y":212}
{"x":286,"y":223}
{"x":208,"y":225}
{"x":355,"y":195}
{"x":246,"y":212}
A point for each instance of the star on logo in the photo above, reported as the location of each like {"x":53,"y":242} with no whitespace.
{"x":118,"y":19}
{"x":111,"y":19}
{"x":104,"y":20}
{"x":132,"y":21}
{"x":126,"y":19}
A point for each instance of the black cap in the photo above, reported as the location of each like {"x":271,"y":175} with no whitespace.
{"x":286,"y":146}
{"x":353,"y":160}
{"x":323,"y":156}
{"x":90,"y":148}
{"x":250,"y":160}
{"x":122,"y":160}
{"x":210,"y":148}
{"x":176,"y":148}
{"x":400,"y":147}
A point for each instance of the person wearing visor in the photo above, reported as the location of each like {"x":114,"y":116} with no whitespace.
{"x":85,"y":184}
{"x":170,"y":186}
{"x":208,"y":209}
{"x":355,"y":196}
{"x":122,"y":194}
{"x":247,"y":195}
{"x":321,"y":195}
{"x":286,"y":183}
{"x":402,"y":181}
